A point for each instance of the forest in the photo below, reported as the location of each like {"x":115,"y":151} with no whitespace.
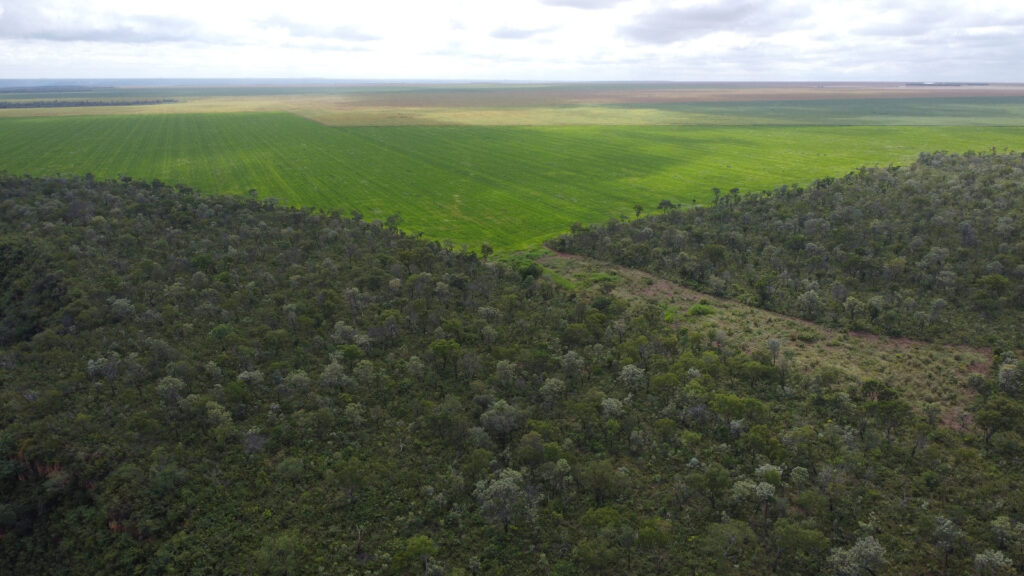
{"x":930,"y":251}
{"x":204,"y":384}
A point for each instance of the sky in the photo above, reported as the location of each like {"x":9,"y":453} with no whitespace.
{"x":516,"y":40}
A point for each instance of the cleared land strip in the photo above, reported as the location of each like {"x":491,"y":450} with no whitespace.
{"x":923,"y":372}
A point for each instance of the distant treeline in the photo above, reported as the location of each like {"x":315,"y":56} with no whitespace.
{"x":77,"y":103}
{"x":945,"y":84}
{"x":5,"y":88}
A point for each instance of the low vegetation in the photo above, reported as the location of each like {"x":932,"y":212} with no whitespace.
{"x":209,"y":383}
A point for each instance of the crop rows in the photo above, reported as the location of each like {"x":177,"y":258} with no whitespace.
{"x":509,"y":186}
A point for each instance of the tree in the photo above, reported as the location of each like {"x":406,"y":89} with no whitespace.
{"x":992,"y":563}
{"x":798,"y":549}
{"x":551,"y":390}
{"x":637,"y":208}
{"x":865,"y":556}
{"x":602,"y":480}
{"x":393,"y":222}
{"x":416,"y":552}
{"x":854,"y":308}
{"x":171,"y":390}
{"x":486,"y":250}
{"x":809,"y":304}
{"x":613,"y":536}
{"x":947,"y":537}
{"x":1010,"y":535}
{"x":446,"y":351}
{"x":631,"y":377}
{"x":774,"y":346}
{"x":500,"y":420}
{"x":281,"y":554}
{"x":710,"y":484}
{"x":505,"y":499}
{"x":890,"y":414}
{"x":998,"y":414}
{"x":731,"y":547}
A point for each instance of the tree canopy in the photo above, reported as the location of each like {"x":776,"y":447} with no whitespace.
{"x":219,"y":385}
{"x":933,"y":250}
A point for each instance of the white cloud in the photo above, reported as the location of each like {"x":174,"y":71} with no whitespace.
{"x":506,"y":33}
{"x":24,"y":20}
{"x":521,"y":39}
{"x":583,"y":4}
{"x":296,"y":29}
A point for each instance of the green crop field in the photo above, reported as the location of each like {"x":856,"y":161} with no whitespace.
{"x":509,"y":186}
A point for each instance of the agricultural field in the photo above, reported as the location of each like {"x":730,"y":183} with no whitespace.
{"x":503,"y":164}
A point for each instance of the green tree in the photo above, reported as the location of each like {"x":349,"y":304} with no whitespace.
{"x":731,"y":547}
{"x":281,"y":554}
{"x":799,"y":549}
{"x":948,"y":536}
{"x":999,"y":413}
{"x":446,"y":351}
{"x":415,"y":555}
{"x":890,"y":414}
{"x":992,"y":563}
{"x":602,"y":480}
{"x":500,"y":420}
{"x":505,"y":499}
{"x":865,"y":556}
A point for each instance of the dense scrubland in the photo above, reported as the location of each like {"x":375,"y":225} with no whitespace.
{"x":931,"y":250}
{"x":196,"y":383}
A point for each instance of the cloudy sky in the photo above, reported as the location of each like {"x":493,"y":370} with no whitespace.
{"x":546,"y":40}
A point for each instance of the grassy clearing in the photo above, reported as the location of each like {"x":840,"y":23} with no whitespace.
{"x":924,"y":373}
{"x":509,"y":186}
